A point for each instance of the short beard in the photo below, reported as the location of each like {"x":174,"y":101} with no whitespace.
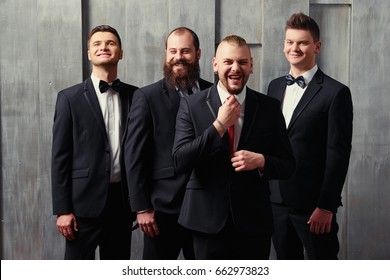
{"x":183,"y":79}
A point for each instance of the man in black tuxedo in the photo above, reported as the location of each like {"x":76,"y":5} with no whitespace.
{"x":89,"y":188}
{"x":318,"y":113}
{"x":231,"y":139}
{"x":155,"y":188}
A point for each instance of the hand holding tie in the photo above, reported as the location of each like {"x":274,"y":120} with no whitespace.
{"x":229,"y":112}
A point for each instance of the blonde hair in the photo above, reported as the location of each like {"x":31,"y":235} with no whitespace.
{"x":234,"y":39}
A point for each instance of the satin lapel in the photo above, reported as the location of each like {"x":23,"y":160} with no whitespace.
{"x":171,"y":94}
{"x":90,"y":96}
{"x":251,"y":109}
{"x":281,"y":90}
{"x":213,"y":103}
{"x":125,"y":104}
{"x":312,"y":89}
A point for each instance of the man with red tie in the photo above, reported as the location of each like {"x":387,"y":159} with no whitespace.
{"x":226,"y":204}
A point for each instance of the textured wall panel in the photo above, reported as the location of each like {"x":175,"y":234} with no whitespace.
{"x":43,"y":56}
{"x":44,"y":52}
{"x":368,"y":235}
{"x":334,"y":60}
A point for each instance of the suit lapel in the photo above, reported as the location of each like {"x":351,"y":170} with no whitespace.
{"x":251,"y":108}
{"x":90,"y":96}
{"x":281,"y":90}
{"x":312,"y":89}
{"x":171,"y":94}
{"x":213,"y":103}
{"x":125,"y":105}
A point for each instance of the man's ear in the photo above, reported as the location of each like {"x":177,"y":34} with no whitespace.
{"x":318,"y":47}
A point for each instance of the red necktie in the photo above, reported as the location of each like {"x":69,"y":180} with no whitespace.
{"x":231,"y":139}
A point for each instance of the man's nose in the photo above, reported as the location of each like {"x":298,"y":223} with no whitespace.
{"x":235,"y":67}
{"x":178,"y":55}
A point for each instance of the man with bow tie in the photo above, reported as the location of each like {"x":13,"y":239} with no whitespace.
{"x":89,"y":188}
{"x":318,"y":114}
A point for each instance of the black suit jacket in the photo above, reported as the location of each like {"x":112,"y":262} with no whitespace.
{"x":320,"y":133}
{"x":214,"y":189}
{"x":81,"y":151}
{"x":153,"y":180}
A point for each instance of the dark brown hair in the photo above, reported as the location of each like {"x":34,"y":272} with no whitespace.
{"x":181,"y":30}
{"x":105,"y":28}
{"x":304,"y":22}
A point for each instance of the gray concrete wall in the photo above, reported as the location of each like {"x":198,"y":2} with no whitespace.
{"x":43,"y":51}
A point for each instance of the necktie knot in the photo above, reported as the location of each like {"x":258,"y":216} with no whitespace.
{"x":300,"y":81}
{"x":104,"y":86}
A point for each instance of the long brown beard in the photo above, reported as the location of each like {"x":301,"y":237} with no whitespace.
{"x":183,"y":79}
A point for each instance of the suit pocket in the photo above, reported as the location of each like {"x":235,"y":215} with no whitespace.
{"x":80,"y":173}
{"x":162,"y":173}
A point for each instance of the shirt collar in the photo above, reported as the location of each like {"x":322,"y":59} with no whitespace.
{"x":308,"y":75}
{"x":195,"y":87}
{"x":95,"y":82}
{"x":223,"y":95}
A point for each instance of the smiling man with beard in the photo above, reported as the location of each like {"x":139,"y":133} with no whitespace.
{"x":226,"y":204}
{"x":155,"y":188}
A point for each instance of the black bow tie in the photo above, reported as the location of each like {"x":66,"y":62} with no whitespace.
{"x":104,"y":86}
{"x":299,"y":80}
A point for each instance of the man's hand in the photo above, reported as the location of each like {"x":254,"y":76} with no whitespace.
{"x":245,"y":160}
{"x":67,"y":225}
{"x":320,"y":221}
{"x":147,"y":223}
{"x":228,"y":114}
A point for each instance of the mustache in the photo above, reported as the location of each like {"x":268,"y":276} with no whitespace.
{"x":179,"y":61}
{"x":185,"y":78}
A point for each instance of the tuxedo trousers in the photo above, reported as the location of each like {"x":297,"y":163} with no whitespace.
{"x":111,"y":232}
{"x":230,"y":244}
{"x":172,"y":239}
{"x":293,"y":240}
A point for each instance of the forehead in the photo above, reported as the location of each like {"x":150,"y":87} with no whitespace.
{"x":103,"y":36}
{"x":232,"y":51}
{"x":180,"y":40}
{"x":298,"y":35}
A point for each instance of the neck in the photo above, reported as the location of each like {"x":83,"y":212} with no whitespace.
{"x":106,"y":74}
{"x":297,"y":71}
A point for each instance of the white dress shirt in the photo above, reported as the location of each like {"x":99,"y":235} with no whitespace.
{"x":109,"y":102}
{"x":223,"y":95}
{"x":294,"y":93}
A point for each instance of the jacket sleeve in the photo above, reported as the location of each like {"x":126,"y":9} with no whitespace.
{"x":137,"y":152}
{"x":339,"y":138}
{"x":62,"y":150}
{"x":189,"y":148}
